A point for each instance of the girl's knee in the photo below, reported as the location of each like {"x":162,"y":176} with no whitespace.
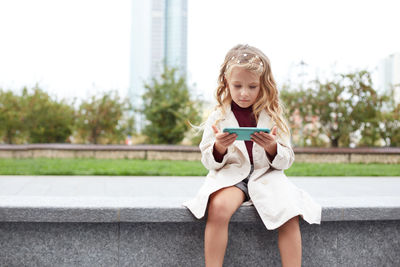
{"x":292,"y":224}
{"x":219,"y":210}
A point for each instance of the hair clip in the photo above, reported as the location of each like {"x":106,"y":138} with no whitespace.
{"x":261,"y":64}
{"x":245,"y":55}
{"x":238,"y":61}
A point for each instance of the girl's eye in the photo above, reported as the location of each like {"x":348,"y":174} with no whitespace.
{"x":237,"y":86}
{"x":253,"y":87}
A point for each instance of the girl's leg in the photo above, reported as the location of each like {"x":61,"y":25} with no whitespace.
{"x":289,"y":242}
{"x":221,"y":206}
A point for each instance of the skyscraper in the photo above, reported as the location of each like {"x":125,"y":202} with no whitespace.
{"x":176,"y":34}
{"x":389,"y":74}
{"x":158,"y":37}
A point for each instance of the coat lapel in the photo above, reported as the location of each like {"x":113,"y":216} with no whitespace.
{"x":264,"y":121}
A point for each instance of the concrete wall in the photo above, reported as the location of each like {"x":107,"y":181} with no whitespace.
{"x":344,"y":243}
{"x":168,"y":152}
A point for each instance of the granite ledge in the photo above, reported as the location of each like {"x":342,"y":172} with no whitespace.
{"x":103,"y":199}
{"x":34,"y":209}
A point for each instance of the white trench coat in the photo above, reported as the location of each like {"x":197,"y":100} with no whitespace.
{"x":274,"y":196}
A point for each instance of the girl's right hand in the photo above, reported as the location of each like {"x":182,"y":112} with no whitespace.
{"x":223,"y":140}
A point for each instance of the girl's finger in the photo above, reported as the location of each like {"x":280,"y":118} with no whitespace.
{"x":215,"y":129}
{"x":256,"y":137}
{"x":230,"y":139}
{"x":259,"y":141}
{"x":274,"y":130}
{"x":219,"y":134}
{"x":268,"y":135}
{"x":229,"y":136}
{"x":265,"y":137}
{"x":230,"y":142}
{"x":221,"y":138}
{"x":232,"y":136}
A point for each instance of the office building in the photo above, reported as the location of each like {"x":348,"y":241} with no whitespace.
{"x":158,"y":37}
{"x":389,"y":75}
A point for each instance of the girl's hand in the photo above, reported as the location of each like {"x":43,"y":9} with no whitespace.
{"x":266,"y":140}
{"x":223,"y":140}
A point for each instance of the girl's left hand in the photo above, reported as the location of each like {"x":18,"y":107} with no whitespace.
{"x":266,"y":140}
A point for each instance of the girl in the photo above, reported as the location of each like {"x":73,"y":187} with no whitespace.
{"x":249,"y":171}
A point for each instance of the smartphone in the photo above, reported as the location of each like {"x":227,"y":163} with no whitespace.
{"x":243,"y":133}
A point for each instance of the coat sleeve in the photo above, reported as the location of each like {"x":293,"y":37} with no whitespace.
{"x":207,"y":145}
{"x":284,"y":157}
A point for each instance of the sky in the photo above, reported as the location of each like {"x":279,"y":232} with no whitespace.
{"x":78,"y":48}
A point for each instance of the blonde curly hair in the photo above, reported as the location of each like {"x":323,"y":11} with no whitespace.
{"x":254,"y":60}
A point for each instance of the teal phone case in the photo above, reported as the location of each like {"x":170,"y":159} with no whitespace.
{"x":245,"y":132}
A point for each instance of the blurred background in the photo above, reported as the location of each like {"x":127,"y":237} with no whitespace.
{"x":134,"y":72}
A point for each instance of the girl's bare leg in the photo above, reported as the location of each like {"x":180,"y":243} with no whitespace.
{"x":289,"y":242}
{"x":222,"y":205}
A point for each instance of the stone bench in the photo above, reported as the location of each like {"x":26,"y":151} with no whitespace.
{"x":139,"y":221}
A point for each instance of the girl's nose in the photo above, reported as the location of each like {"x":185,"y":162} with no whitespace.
{"x":244,"y":92}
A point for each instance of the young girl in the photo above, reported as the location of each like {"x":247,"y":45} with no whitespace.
{"x":249,"y":171}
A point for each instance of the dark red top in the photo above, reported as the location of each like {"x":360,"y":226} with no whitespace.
{"x":245,"y":118}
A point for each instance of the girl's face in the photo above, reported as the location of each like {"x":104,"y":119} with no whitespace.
{"x":243,"y":86}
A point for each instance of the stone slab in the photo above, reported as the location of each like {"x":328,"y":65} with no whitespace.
{"x":120,"y":154}
{"x":171,"y":155}
{"x":58,"y":244}
{"x":118,"y":221}
{"x":159,"y":199}
{"x":369,"y":243}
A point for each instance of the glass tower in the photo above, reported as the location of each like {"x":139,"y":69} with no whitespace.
{"x":158,"y":37}
{"x":389,"y":74}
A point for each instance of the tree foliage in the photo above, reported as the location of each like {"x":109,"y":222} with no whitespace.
{"x":104,"y":119}
{"x":34,"y":117}
{"x":336,"y":112}
{"x":344,"y":105}
{"x":12,"y":121}
{"x":47,"y":120}
{"x":388,"y":122}
{"x":339,"y":109}
{"x":167,"y":106}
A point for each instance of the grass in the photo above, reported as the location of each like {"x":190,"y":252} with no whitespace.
{"x":45,"y":166}
{"x":339,"y":169}
{"x":125,"y":167}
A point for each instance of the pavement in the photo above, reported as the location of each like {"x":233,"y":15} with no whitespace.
{"x":124,"y":191}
